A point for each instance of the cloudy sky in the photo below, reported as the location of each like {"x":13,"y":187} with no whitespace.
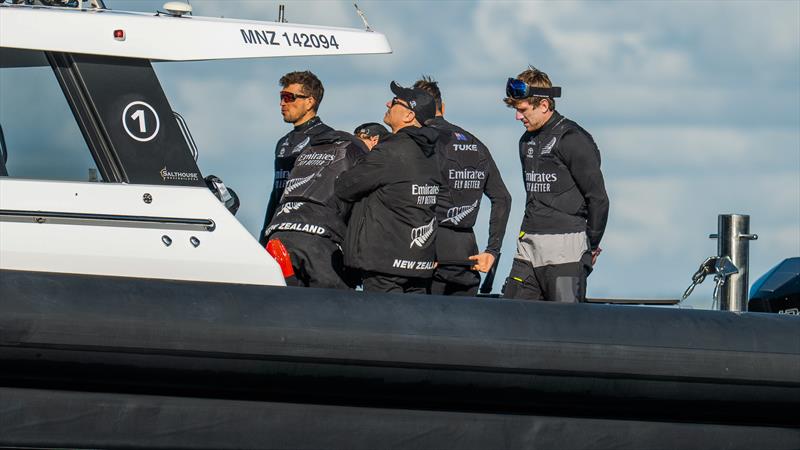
{"x":695,"y":107}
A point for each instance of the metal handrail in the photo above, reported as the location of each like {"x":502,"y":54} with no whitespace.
{"x":187,"y":135}
{"x":107,"y":220}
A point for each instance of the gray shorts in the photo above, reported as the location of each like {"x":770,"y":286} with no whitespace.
{"x":551,"y":267}
{"x":551,"y":249}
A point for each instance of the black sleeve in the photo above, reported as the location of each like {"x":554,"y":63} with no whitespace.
{"x":579,"y":153}
{"x":522,"y":161}
{"x":362,"y":148}
{"x":262,"y":239}
{"x":366,"y":176}
{"x":353,"y":155}
{"x":496,"y":190}
{"x":272,"y":205}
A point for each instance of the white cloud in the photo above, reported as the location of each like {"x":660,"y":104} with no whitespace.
{"x":701,"y":148}
{"x":227,"y":117}
{"x":636,"y":42}
{"x":644,"y":211}
{"x":571,"y":36}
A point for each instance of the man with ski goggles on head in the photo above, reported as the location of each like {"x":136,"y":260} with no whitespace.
{"x":303,"y":214}
{"x":566,"y":206}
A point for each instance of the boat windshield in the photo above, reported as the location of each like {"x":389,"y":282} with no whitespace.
{"x":42,"y":137}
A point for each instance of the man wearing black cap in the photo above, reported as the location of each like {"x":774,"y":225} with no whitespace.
{"x":303,"y":213}
{"x":371,"y":133}
{"x":393,"y":226}
{"x":566,"y":208}
{"x":470,"y":172}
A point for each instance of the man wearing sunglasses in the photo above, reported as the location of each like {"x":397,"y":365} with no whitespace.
{"x":392,"y":229}
{"x":566,"y":207}
{"x":303,"y":213}
{"x":470,"y":172}
{"x":300,"y":97}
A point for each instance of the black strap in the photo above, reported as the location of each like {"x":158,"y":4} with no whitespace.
{"x":456,"y":262}
{"x":553,"y":92}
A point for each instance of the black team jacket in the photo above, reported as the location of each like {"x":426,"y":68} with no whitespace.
{"x":308,"y":204}
{"x":392,"y":228}
{"x":565,"y":192}
{"x":288,"y":148}
{"x":469,"y":172}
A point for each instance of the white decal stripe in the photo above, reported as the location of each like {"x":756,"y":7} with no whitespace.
{"x":297,"y":182}
{"x":459,"y":213}
{"x":420,"y":235}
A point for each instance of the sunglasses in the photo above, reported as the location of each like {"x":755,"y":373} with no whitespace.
{"x":289,"y":97}
{"x":397,"y":101}
{"x":518,"y":90}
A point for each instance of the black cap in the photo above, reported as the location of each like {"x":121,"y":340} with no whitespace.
{"x":372,"y":129}
{"x":422,"y":103}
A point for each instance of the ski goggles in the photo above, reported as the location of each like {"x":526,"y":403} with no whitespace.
{"x":289,"y":97}
{"x":518,"y":90}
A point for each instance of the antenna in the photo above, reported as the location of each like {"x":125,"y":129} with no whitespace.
{"x":363,"y":17}
{"x":282,"y":13}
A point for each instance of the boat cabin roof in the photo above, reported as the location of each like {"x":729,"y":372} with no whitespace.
{"x":165,"y":37}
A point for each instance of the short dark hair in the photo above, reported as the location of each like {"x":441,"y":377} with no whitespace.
{"x":536,"y":78}
{"x":431,"y":86}
{"x":311,"y":85}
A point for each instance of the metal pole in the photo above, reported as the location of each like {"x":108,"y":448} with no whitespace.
{"x":733,"y":241}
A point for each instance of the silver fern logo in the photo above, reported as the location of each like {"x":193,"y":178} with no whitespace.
{"x":420,"y":235}
{"x":549,"y":147}
{"x":297,"y":182}
{"x":458,"y":213}
{"x":289,"y":207}
{"x":299,"y":147}
{"x":284,"y":146}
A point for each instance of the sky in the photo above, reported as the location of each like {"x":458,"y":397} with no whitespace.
{"x":695,"y":106}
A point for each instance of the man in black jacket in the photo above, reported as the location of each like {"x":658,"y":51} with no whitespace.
{"x":393,"y":226}
{"x":566,"y":208}
{"x":470,"y":172}
{"x":310,"y":221}
{"x":303,"y":213}
{"x":299,"y":100}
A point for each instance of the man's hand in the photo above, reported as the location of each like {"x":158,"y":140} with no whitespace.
{"x":483,"y":262}
{"x":595,"y":254}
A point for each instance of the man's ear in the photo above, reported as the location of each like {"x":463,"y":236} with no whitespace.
{"x":441,"y":111}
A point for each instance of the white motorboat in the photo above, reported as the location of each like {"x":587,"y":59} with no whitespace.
{"x":137,"y":312}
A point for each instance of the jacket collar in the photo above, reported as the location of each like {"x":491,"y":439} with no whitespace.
{"x":310,"y":123}
{"x":554,"y":120}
